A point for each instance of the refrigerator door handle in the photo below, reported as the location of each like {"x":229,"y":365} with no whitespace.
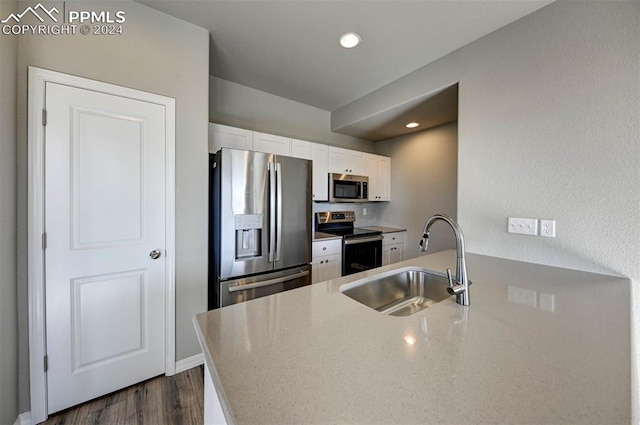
{"x":241,"y":287}
{"x":279,"y":210}
{"x":272,"y":210}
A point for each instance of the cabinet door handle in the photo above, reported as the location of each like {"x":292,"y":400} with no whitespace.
{"x":324,"y":248}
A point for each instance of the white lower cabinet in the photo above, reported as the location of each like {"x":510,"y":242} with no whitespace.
{"x":213,"y":413}
{"x":326,"y":262}
{"x":393,"y":247}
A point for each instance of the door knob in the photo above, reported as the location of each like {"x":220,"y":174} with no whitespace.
{"x":155,"y":254}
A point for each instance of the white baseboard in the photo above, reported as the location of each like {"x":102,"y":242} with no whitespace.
{"x":23,"y":419}
{"x":189,"y":363}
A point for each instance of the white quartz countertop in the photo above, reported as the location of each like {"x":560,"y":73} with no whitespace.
{"x":386,"y":229}
{"x":537,"y":345}
{"x":321,"y":236}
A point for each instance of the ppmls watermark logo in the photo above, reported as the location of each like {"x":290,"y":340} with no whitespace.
{"x":40,"y":20}
{"x":34,"y":11}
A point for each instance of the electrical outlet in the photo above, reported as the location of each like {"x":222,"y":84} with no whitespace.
{"x":547,"y":302}
{"x":523,"y":226}
{"x":364,"y":211}
{"x":548,"y":228}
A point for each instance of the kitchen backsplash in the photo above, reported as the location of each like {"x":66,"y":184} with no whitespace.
{"x":371,"y":219}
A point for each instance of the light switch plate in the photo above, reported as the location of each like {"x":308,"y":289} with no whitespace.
{"x":523,"y":226}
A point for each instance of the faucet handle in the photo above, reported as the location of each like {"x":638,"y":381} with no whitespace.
{"x":449,"y":278}
{"x":454,"y":289}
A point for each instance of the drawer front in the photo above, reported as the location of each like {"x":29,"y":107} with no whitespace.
{"x":393,"y":238}
{"x":320,"y":248}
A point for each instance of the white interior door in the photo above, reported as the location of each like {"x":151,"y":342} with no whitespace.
{"x":104,"y":215}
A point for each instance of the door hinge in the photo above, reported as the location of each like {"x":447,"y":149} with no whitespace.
{"x":44,"y":117}
{"x":44,"y":241}
{"x":46,"y":363}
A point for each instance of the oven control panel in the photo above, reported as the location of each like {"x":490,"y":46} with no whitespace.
{"x":335,"y":217}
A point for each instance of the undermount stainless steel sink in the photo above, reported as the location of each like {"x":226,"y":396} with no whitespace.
{"x":399,"y":292}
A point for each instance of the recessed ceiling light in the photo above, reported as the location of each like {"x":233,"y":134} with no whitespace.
{"x":412,"y":125}
{"x":349,"y":40}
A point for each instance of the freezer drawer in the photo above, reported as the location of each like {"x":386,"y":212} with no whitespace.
{"x":245,"y":289}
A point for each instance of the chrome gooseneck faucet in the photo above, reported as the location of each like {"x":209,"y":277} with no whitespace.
{"x":461,"y":287}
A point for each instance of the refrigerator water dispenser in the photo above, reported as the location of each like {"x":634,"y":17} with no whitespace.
{"x":248,"y":236}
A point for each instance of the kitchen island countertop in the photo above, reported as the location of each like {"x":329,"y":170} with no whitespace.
{"x":537,"y":345}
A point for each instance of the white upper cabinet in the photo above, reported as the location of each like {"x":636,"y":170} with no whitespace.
{"x":320,"y":157}
{"x":326,"y":159}
{"x":346,"y":161}
{"x":223,"y":136}
{"x":379,"y":173}
{"x":300,"y":149}
{"x":269,"y":143}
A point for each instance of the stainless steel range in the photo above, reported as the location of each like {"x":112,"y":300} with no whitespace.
{"x":361,"y":248}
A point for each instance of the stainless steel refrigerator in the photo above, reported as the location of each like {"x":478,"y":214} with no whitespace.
{"x":260,"y":225}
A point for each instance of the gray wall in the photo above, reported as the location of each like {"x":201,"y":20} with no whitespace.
{"x":424,"y":180}
{"x":8,"y":288}
{"x":548,"y":128}
{"x":241,"y":106}
{"x":159,"y":54}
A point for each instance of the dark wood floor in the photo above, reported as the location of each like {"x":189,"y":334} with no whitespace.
{"x":165,"y":400}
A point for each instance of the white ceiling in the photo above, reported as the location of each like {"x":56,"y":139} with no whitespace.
{"x":290,"y":48}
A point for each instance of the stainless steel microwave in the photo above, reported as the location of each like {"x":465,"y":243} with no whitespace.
{"x":348,"y":188}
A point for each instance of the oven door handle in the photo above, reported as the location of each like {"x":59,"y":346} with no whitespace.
{"x":353,"y":241}
{"x":243,"y":287}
